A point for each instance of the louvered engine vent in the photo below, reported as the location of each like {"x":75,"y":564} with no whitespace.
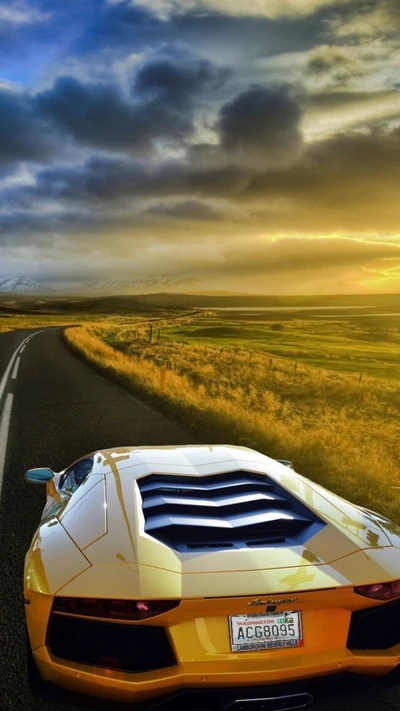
{"x":233,"y":510}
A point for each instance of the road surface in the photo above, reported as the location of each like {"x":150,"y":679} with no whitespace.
{"x":53,"y":409}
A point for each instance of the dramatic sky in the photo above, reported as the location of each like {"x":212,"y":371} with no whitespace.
{"x":249,"y":145}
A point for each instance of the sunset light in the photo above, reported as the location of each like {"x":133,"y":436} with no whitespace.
{"x":161,"y":139}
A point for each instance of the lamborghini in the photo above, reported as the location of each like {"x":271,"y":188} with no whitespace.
{"x":163,"y":571}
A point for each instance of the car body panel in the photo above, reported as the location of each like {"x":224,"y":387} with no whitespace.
{"x":52,"y":560}
{"x":90,"y":507}
{"x":93,"y":544}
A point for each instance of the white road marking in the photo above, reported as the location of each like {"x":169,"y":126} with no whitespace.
{"x":7,"y":372}
{"x":15,"y":371}
{"x":4,"y":428}
{"x":23,"y":348}
{"x":6,"y":414}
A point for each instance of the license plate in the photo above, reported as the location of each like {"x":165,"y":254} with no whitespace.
{"x":274,"y":631}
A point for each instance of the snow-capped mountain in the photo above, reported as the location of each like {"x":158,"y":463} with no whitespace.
{"x":23,"y":285}
{"x":141,"y":286}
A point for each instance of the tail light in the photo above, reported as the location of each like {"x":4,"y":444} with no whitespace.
{"x":380,"y":591}
{"x":113,"y":609}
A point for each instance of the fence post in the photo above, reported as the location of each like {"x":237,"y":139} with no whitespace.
{"x":295,"y":367}
{"x":151,"y":333}
{"x":158,"y":336}
{"x":360,"y":379}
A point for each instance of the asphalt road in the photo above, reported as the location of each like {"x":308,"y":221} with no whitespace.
{"x":54,"y":409}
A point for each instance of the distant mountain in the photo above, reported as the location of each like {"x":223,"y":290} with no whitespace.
{"x":140,"y":286}
{"x":23,"y":285}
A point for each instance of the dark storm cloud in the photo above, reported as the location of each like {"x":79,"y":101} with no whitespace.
{"x":176,"y":78}
{"x":261,"y":121}
{"x":347,"y":182}
{"x":24,"y":135}
{"x":146,"y":141}
{"x":111,"y":180}
{"x":108,"y":179}
{"x":342,"y":171}
{"x":98,"y":115}
{"x":165,"y":95}
{"x":189,"y":210}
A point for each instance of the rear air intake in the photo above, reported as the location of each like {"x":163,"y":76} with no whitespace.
{"x":375,"y":627}
{"x":233,"y":510}
{"x":124,"y":647}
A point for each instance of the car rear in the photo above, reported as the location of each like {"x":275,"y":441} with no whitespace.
{"x":227,"y":578}
{"x":105,"y":648}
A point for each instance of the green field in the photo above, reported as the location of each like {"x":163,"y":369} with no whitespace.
{"x":364,"y":344}
{"x":317,"y":386}
{"x":359,"y":333}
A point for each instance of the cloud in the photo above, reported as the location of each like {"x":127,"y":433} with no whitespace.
{"x":328,"y":113}
{"x":334,"y":65}
{"x":24,"y":134}
{"x":261,"y":124}
{"x":191,"y":127}
{"x":345,"y":184}
{"x":270,"y":9}
{"x":165,"y":93}
{"x":196,"y":211}
{"x":20,"y":13}
{"x":160,"y":110}
{"x":98,"y":115}
{"x":299,"y":254}
{"x":368,"y":20}
{"x":296,"y":264}
{"x":176,"y":78}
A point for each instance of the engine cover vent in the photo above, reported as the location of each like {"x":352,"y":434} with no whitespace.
{"x":232,"y":510}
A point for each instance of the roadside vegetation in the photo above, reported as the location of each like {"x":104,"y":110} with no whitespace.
{"x":339,"y":427}
{"x":365,"y":344}
{"x":321,"y":389}
{"x":21,"y":322}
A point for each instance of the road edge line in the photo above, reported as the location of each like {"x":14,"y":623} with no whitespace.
{"x":4,"y":430}
{"x":16,"y":366}
{"x":7,"y":371}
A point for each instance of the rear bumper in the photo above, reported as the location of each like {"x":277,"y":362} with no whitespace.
{"x":275,"y":697}
{"x":158,"y":690}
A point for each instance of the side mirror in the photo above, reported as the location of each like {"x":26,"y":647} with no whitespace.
{"x":39,"y":476}
{"x":286,"y":462}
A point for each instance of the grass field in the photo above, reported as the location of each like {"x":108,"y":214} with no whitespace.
{"x":369,"y":345}
{"x":340,"y":430}
{"x":318,"y":387}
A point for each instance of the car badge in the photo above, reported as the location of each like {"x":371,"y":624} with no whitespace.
{"x":271,"y":605}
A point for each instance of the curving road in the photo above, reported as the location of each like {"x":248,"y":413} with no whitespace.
{"x":54,"y":409}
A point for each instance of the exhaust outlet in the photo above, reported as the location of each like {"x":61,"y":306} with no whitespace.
{"x":271,"y":703}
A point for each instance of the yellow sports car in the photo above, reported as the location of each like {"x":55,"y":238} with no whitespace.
{"x":164,"y":573}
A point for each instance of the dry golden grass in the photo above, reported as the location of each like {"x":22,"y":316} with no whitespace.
{"x":341,"y":433}
{"x":13,"y":323}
